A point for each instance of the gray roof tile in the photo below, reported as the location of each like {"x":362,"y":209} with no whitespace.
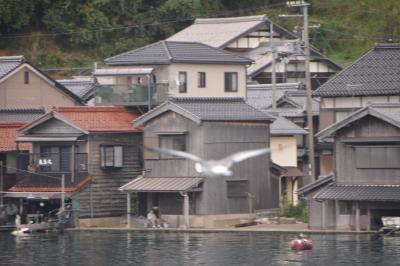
{"x":166,"y":52}
{"x":359,"y":192}
{"x":230,"y":109}
{"x":283,"y":126}
{"x":20,"y":114}
{"x":375,"y":73}
{"x":9,"y":63}
{"x":83,"y":88}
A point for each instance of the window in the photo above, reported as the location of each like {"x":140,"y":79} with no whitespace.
{"x":26,"y":77}
{"x":237,"y":188}
{"x":182,"y":82}
{"x":201,"y":79}
{"x":231,"y":81}
{"x":344,"y":207}
{"x":173,"y":142}
{"x":111,"y":156}
{"x":55,"y":159}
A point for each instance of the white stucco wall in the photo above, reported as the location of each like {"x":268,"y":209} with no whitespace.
{"x":284,"y":151}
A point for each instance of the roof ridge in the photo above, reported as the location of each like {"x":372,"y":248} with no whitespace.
{"x":230,"y":19}
{"x":12,"y":58}
{"x":164,"y":43}
{"x":127,"y":52}
{"x":387,"y":46}
{"x":89,"y":108}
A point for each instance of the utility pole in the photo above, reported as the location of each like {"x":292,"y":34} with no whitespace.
{"x":304,"y":7}
{"x":273,"y":52}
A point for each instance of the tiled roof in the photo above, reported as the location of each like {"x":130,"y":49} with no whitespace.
{"x":218,"y":32}
{"x":320,"y":182}
{"x":20,"y":114}
{"x":375,"y":73}
{"x":208,"y":109}
{"x":9,"y":63}
{"x":229,"y":109}
{"x":359,"y":192}
{"x":83,"y":88}
{"x":22,"y":187}
{"x":260,"y":95}
{"x":99,"y":119}
{"x":384,"y":111}
{"x":161,"y":184}
{"x":166,"y":52}
{"x":282,"y":126}
{"x":8,"y":135}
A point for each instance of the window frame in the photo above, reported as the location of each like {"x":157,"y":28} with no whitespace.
{"x":230,"y":194}
{"x":172,"y":135}
{"x":103,"y":156}
{"x":233,"y":76}
{"x":201,"y":79}
{"x":182,"y":84}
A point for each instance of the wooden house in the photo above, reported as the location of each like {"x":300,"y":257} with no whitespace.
{"x":373,"y":78}
{"x":147,"y":76}
{"x":211,"y":128}
{"x":250,"y":37}
{"x":365,"y":184}
{"x":96,"y":149}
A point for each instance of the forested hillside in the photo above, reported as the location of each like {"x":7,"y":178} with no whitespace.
{"x":75,"y":33}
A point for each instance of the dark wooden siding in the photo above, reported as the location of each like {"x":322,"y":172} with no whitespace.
{"x":221,"y":139}
{"x":368,"y":132}
{"x":107,"y":199}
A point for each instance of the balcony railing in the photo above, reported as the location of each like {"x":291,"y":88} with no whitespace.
{"x":46,"y":169}
{"x":116,"y":94}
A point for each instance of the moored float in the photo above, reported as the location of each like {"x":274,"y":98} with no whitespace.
{"x":301,"y":243}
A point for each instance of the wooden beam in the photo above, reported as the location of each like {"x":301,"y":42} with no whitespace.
{"x":323,"y":214}
{"x":185,"y":210}
{"x":128,"y":210}
{"x":357,"y":215}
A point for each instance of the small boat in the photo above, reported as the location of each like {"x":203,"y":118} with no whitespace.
{"x":391,"y":225}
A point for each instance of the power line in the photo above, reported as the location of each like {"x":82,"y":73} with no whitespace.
{"x":120,"y":27}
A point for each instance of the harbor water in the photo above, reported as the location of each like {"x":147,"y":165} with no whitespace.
{"x":114,"y":248}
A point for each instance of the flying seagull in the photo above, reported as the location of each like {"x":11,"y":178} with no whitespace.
{"x":213,"y":168}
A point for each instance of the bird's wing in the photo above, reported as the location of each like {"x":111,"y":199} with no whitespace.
{"x":175,"y":153}
{"x":243,"y":155}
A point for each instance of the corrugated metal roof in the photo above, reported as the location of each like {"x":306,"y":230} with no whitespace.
{"x":359,"y":192}
{"x":375,"y":73}
{"x":161,"y":184}
{"x":166,"y":52}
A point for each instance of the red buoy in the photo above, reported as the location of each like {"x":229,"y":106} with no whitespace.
{"x":301,"y":243}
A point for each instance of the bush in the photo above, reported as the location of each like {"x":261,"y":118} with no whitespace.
{"x":300,"y":211}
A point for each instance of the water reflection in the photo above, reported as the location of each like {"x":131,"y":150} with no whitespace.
{"x":167,"y":248}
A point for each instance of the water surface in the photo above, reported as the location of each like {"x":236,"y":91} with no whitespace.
{"x":167,"y":248}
